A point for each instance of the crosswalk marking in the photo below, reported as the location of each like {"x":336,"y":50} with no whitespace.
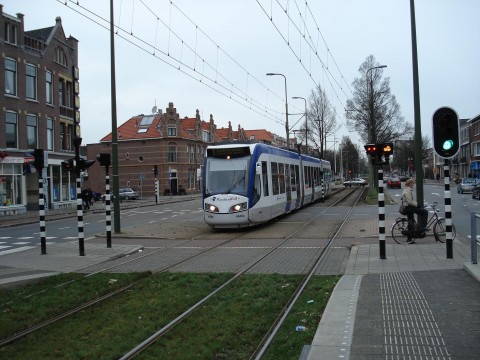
{"x":21,"y":248}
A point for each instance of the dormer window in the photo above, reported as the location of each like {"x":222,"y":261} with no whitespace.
{"x":172,"y":131}
{"x":10,"y":33}
{"x":60,"y":56}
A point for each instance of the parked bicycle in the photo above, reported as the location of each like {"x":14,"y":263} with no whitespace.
{"x":405,"y":231}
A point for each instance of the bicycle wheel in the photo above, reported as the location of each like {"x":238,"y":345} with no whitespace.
{"x":440,"y":231}
{"x":400,"y":231}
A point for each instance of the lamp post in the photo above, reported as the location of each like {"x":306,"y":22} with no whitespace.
{"x":286,"y":106}
{"x":306,"y":121}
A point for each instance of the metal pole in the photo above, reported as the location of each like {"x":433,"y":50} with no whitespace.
{"x":286,"y":107}
{"x":473,"y":240}
{"x":381,"y":215}
{"x":108,"y":212}
{"x":41,"y":213}
{"x":448,"y":210}
{"x":116,"y":202}
{"x":416,"y":103}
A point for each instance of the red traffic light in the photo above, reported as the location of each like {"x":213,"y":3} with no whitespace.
{"x":69,"y":164}
{"x":371,"y":149}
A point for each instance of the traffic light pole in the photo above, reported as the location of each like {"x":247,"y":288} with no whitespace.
{"x":108,"y":210}
{"x":448,"y":209}
{"x":81,"y":235}
{"x":39,"y":165}
{"x":381,"y":215}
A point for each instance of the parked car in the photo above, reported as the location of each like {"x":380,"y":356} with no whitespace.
{"x":355,"y":182}
{"x":394,"y":182}
{"x":466,"y":185}
{"x":127,"y":194}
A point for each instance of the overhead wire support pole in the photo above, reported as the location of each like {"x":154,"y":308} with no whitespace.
{"x":116,"y":202}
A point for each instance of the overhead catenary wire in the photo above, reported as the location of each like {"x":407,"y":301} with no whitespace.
{"x":239,"y":96}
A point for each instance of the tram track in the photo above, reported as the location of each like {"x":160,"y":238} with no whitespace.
{"x":184,"y":243}
{"x":270,"y":335}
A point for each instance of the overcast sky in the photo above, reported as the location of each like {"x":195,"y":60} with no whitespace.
{"x":213,"y":55}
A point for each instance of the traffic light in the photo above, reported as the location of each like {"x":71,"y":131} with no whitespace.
{"x":155,"y":170}
{"x":446,"y":139}
{"x":104,"y":159}
{"x":371,"y":149}
{"x":84,"y":164}
{"x":379,"y":153}
{"x":39,"y":161}
{"x":69,"y":165}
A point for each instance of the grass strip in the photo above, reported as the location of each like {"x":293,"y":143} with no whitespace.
{"x":25,"y":306}
{"x":228,"y":326}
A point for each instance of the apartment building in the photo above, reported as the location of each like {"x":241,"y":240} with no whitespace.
{"x":37,"y":69}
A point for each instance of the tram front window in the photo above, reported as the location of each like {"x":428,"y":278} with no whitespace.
{"x":227,"y":176}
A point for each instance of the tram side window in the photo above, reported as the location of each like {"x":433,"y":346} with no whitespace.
{"x":293,"y":179}
{"x":275,"y":186}
{"x":311,"y":176}
{"x":297,"y":175}
{"x":307,"y":177}
{"x":265,"y":178}
{"x":281,"y":177}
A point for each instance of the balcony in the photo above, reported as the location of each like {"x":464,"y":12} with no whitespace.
{"x":66,"y":112}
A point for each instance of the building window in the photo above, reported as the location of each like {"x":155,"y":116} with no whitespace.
{"x":31,"y":78}
{"x":50,"y":134}
{"x":172,"y":131}
{"x":60,"y":93}
{"x":172,"y":153}
{"x":60,"y":56}
{"x":11,"y":130}
{"x":10,"y":33}
{"x":49,"y":87}
{"x":10,"y":77}
{"x":31,"y":132}
{"x":70,"y":137}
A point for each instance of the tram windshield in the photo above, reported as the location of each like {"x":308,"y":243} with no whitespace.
{"x":226,"y":176}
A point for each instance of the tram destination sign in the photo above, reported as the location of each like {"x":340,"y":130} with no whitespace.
{"x":229,"y":152}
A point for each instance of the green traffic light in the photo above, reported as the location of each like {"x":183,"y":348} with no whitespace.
{"x":447,"y":145}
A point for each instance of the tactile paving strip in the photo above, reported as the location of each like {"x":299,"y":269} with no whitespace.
{"x":410,"y":329}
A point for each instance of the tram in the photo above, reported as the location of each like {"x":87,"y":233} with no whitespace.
{"x":249,"y":184}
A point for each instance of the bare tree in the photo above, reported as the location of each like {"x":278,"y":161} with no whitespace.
{"x":374,"y":106}
{"x":321,"y":121}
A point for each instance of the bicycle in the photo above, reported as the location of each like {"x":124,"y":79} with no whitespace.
{"x":404,"y":231}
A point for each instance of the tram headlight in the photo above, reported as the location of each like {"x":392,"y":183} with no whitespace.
{"x":211,"y":208}
{"x":238,"y":207}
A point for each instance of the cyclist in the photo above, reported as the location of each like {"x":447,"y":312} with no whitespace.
{"x":414,"y":208}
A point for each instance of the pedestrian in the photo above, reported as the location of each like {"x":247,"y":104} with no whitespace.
{"x":438,"y":177}
{"x":456,"y":179}
{"x":414,"y":208}
{"x":85,"y":198}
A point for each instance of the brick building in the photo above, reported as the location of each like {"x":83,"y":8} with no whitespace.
{"x":37,"y":111}
{"x":175,"y":145}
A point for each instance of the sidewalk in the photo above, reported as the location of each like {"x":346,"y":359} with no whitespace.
{"x":416,"y":304}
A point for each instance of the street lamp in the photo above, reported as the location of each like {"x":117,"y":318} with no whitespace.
{"x":286,"y":106}
{"x":306,"y":121}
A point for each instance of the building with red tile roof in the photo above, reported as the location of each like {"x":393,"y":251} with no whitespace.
{"x":175,"y":145}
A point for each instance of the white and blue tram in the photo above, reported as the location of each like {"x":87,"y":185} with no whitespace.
{"x":248,"y":184}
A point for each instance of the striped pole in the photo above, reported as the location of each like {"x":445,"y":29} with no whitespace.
{"x":81,"y":235}
{"x":108,"y":212}
{"x":323,"y":184}
{"x":448,"y":210}
{"x":381,"y":214}
{"x":41,"y":213}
